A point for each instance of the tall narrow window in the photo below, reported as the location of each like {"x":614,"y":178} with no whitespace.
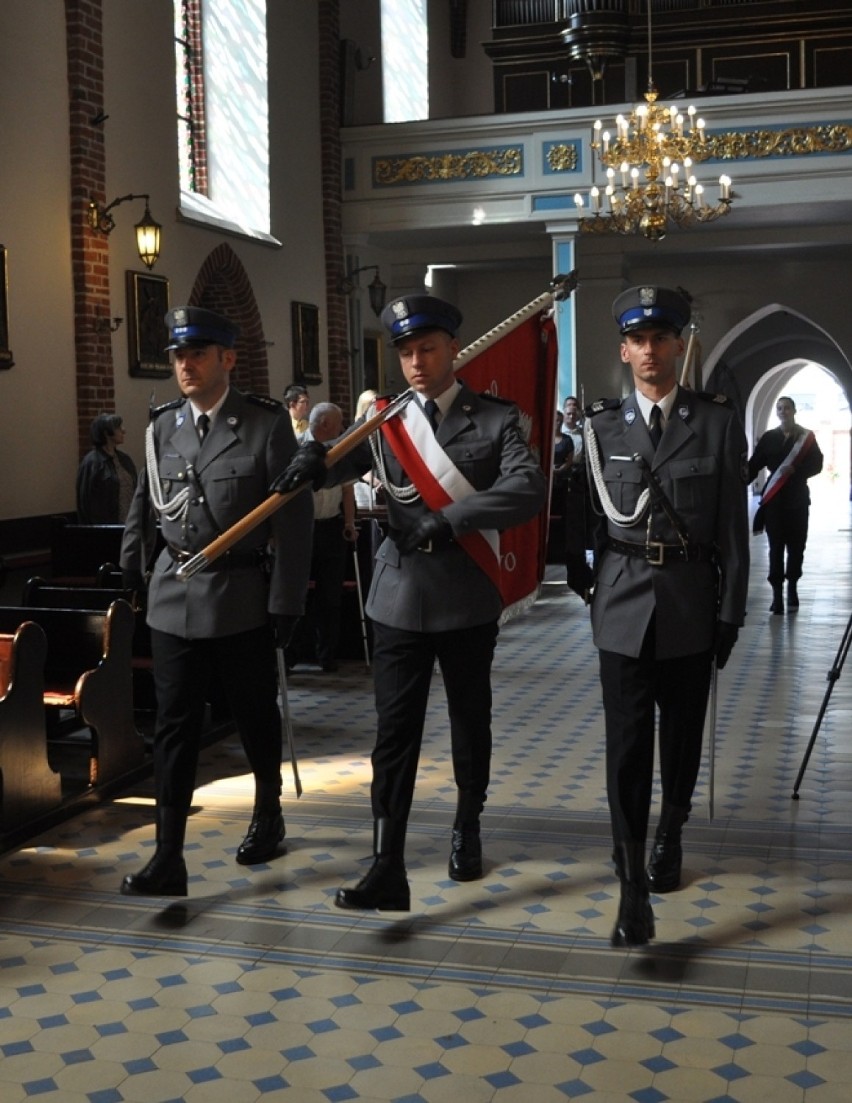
{"x":223,"y":113}
{"x":405,"y":60}
{"x":189,"y":80}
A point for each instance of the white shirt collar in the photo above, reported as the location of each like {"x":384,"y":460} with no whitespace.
{"x":211,"y":413}
{"x":646,"y":405}
{"x":445,"y":399}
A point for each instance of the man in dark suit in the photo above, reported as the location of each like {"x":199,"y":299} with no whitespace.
{"x":668,"y":467}
{"x":456,"y":470}
{"x":211,"y":456}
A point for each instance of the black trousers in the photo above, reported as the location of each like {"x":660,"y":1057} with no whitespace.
{"x":786,"y":531}
{"x":632,"y":688}
{"x":328,"y":570}
{"x":244,"y":666}
{"x":402,"y":667}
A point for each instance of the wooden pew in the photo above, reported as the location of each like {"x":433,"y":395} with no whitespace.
{"x":30,"y":788}
{"x":78,"y":551}
{"x":88,"y":669}
{"x":46,"y":595}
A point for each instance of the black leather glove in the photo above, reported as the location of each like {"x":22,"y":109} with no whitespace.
{"x":432,"y":531}
{"x":283,"y":626}
{"x":726,"y":637}
{"x":306,"y":466}
{"x":133,"y":580}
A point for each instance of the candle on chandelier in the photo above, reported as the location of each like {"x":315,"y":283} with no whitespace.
{"x":595,"y":197}
{"x":725,"y":187}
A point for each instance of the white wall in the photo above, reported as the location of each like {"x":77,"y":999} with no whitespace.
{"x":38,"y":443}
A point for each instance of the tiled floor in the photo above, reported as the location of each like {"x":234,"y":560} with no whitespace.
{"x":256,"y":987}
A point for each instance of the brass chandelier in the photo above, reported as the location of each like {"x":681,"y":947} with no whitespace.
{"x":649,"y":166}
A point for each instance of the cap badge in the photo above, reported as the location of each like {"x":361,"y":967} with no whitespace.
{"x":400,"y":309}
{"x":179,"y":317}
{"x":647,"y":296}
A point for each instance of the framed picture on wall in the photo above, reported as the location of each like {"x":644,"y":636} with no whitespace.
{"x":305,"y":322}
{"x":6,"y":359}
{"x":147,"y":335}
{"x":374,"y":368}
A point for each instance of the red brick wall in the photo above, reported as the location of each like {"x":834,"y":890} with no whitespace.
{"x":223,"y":285}
{"x":339,"y":375}
{"x":89,"y":249}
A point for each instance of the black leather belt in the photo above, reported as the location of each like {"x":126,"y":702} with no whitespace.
{"x":658,"y":554}
{"x":229,"y":561}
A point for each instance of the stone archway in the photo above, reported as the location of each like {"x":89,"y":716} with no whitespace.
{"x":761,"y":353}
{"x":223,"y":285}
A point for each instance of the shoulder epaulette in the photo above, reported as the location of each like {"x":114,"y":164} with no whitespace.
{"x":175,"y":404}
{"x":265,"y":401}
{"x":496,"y":398}
{"x":709,"y":396}
{"x":601,"y":405}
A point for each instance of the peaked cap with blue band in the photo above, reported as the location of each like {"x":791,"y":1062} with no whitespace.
{"x":414,"y":313}
{"x":195,"y":327}
{"x":639,"y":307}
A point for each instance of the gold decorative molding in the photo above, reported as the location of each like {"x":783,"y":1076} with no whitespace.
{"x":792,"y":142}
{"x":562,"y":158}
{"x":478,"y":163}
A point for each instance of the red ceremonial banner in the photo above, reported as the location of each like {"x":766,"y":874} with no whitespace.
{"x":521,"y":367}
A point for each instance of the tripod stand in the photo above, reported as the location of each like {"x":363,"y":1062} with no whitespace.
{"x":832,"y":676}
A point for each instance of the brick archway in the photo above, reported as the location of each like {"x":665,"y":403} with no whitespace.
{"x":222,"y":284}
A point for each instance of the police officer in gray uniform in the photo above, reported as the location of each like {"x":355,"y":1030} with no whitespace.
{"x":210,"y":458}
{"x":429,"y":599}
{"x":667,"y":466}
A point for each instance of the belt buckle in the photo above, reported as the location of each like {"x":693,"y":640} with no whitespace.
{"x":655,"y":553}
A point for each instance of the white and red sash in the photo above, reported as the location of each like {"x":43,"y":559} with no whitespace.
{"x":781,"y":475}
{"x":437,"y":479}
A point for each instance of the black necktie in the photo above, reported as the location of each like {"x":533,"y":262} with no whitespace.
{"x":655,"y":427}
{"x":431,"y":408}
{"x":202,"y":425}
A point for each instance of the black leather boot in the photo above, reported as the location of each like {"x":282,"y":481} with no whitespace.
{"x":664,"y":865}
{"x":792,"y":595}
{"x":263,"y":837}
{"x":777,"y":605}
{"x":266,"y":829}
{"x":165,"y":874}
{"x":635,"y":923}
{"x":385,"y":886}
{"x":466,"y":852}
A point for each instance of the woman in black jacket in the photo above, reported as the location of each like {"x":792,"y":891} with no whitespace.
{"x":106,"y":477}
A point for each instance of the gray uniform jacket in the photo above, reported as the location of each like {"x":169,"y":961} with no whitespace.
{"x":445,"y":590}
{"x":248,"y":445}
{"x":701,"y":465}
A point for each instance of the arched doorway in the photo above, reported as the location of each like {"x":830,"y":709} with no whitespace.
{"x":757,"y":360}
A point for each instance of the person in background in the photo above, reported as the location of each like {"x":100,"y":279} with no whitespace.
{"x":572,"y":425}
{"x":368,"y":486}
{"x":298,"y":404}
{"x":334,"y":533}
{"x":668,"y":468}
{"x":792,"y":456}
{"x":211,"y":457}
{"x":456,"y":470}
{"x":106,"y":477}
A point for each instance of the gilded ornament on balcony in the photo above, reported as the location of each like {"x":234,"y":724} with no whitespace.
{"x":442,"y":167}
{"x":562,"y":158}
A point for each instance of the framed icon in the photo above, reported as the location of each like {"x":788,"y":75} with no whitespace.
{"x":305,"y":322}
{"x":147,"y":334}
{"x":6,"y":358}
